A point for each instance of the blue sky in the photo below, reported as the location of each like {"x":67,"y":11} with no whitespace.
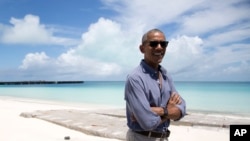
{"x":99,"y":40}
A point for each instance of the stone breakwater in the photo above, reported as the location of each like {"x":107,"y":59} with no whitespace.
{"x":37,"y":82}
{"x":112,"y":123}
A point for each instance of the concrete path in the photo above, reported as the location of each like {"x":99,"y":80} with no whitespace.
{"x":112,"y":123}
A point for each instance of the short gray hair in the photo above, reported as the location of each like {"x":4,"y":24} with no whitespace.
{"x":145,"y":36}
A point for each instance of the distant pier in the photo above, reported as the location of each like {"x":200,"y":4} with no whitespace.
{"x":38,"y":82}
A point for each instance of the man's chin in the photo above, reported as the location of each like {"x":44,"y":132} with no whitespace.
{"x":159,"y":61}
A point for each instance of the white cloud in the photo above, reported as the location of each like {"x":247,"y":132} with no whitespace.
{"x":231,"y":70}
{"x":140,"y":14}
{"x":36,"y":60}
{"x":94,"y":57}
{"x":205,"y":44}
{"x":26,"y":30}
{"x":30,"y":31}
{"x":213,"y":16}
{"x":229,"y":36}
{"x":67,"y":63}
{"x":107,"y":41}
{"x":103,"y":52}
{"x":86,"y":66}
{"x":183,"y":53}
{"x":226,"y":55}
{"x":218,"y":63}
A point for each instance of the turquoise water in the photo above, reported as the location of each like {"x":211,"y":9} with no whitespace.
{"x":225,"y":97}
{"x":229,"y":97}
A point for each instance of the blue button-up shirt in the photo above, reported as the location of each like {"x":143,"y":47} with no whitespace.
{"x":142,"y":92}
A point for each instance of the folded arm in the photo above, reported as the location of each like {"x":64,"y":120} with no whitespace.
{"x":175,"y":108}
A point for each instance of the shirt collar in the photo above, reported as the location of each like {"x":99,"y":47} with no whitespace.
{"x":153,"y":73}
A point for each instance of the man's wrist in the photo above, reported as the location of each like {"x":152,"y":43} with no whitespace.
{"x":165,"y":111}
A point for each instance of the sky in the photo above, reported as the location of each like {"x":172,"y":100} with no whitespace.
{"x":91,"y":40}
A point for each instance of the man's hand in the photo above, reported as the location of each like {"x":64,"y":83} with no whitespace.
{"x":175,"y":99}
{"x":173,"y":112}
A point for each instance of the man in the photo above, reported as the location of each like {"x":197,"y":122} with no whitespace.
{"x":151,"y":98}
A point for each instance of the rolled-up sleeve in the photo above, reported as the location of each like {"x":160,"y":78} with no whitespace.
{"x":182,"y":108}
{"x":139,"y":106}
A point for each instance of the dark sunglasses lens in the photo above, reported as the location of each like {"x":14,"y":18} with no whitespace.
{"x":164,"y":44}
{"x":154,"y":44}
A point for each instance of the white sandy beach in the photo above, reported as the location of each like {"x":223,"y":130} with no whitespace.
{"x":16,"y":128}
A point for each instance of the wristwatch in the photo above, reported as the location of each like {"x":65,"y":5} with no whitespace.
{"x":165,"y":111}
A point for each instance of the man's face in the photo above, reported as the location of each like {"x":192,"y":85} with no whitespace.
{"x":154,"y":49}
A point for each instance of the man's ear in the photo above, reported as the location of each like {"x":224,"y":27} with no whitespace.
{"x":142,"y":48}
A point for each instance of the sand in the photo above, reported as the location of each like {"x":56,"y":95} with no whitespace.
{"x":17,"y":128}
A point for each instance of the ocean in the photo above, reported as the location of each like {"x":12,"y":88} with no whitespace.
{"x":208,"y":97}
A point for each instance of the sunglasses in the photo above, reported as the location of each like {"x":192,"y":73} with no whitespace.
{"x":154,"y":44}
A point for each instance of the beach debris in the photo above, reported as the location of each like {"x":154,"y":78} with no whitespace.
{"x":67,"y":138}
